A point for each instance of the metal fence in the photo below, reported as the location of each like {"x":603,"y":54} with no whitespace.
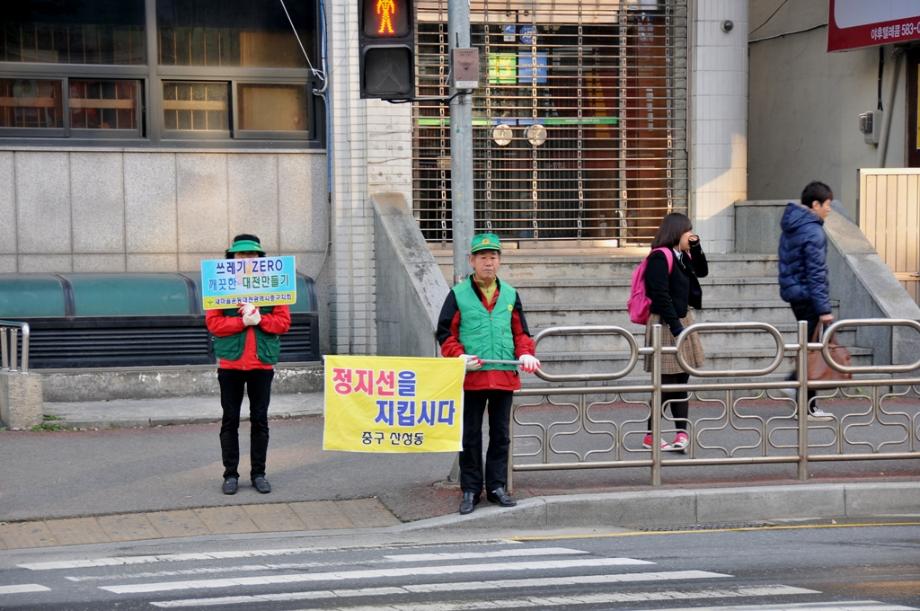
{"x":747,"y":418}
{"x":11,"y":346}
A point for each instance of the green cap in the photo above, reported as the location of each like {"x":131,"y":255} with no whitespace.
{"x":485,"y":241}
{"x":246,"y":246}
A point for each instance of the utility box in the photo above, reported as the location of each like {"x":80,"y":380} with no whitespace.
{"x":870,"y":124}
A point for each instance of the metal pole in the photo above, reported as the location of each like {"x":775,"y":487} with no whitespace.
{"x":802,"y":407}
{"x":656,"y":405}
{"x":461,"y":144}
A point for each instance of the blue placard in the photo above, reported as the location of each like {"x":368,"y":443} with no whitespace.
{"x":262,"y":281}
{"x":532,"y":67}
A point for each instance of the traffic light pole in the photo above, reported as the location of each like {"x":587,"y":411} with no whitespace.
{"x":461,"y":144}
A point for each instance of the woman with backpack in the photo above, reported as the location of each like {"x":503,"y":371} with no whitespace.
{"x":671,"y":273}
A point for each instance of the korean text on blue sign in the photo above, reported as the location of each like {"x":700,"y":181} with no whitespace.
{"x":262,"y":281}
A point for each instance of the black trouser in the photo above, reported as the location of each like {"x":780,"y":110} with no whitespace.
{"x":258,"y":385}
{"x":680,"y":407}
{"x":474,"y":407}
{"x":804,"y":310}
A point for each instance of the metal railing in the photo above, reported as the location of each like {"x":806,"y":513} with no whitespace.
{"x":9,"y":346}
{"x":739,"y":423}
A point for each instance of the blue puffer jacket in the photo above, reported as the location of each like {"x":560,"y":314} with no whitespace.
{"x":803,"y":258}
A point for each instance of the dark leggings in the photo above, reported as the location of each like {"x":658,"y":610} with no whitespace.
{"x":804,"y":310}
{"x":680,"y":407}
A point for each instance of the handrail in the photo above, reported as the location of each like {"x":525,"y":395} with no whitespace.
{"x":9,"y":331}
{"x":780,"y":432}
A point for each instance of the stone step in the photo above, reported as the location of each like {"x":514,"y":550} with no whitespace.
{"x":714,"y":341}
{"x":544,"y":315}
{"x":617,"y":288}
{"x":517,"y":266}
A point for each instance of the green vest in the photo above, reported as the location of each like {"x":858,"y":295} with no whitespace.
{"x":268,"y":345}
{"x":483,"y":333}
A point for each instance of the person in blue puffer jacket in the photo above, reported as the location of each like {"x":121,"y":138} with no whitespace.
{"x":803,"y":264}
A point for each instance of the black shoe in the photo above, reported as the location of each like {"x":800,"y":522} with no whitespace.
{"x":468,"y":503}
{"x":261,"y":484}
{"x":231,"y":484}
{"x":501,"y":497}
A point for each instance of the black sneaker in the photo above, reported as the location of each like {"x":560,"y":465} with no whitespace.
{"x":231,"y":485}
{"x":261,"y":484}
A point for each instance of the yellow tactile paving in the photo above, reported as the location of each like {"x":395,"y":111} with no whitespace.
{"x":320,"y":515}
{"x":274,"y":517}
{"x":226,"y":520}
{"x":128,"y":527}
{"x":179,"y":523}
{"x":367,"y":513}
{"x":74,"y":531}
{"x":18,"y":535}
{"x":267,"y":517}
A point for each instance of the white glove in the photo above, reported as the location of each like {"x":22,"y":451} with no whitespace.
{"x":253,"y":319}
{"x":247,"y":309}
{"x":529,"y":363}
{"x":472,"y":361}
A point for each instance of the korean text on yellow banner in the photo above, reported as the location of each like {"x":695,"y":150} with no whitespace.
{"x":393,"y":404}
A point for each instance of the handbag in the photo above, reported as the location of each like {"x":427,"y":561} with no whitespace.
{"x":819,"y":369}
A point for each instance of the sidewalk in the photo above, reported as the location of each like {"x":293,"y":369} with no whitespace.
{"x":126,"y":476}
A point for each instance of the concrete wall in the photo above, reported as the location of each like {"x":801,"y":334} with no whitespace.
{"x":410,"y":285}
{"x":82,"y":210}
{"x":804,"y":104}
{"x":718,"y":118}
{"x":859,"y":279}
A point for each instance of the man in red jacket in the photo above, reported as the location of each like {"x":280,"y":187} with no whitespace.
{"x":247,"y":342}
{"x":482,"y":319}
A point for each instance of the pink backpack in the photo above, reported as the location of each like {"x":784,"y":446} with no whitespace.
{"x":639,"y":304}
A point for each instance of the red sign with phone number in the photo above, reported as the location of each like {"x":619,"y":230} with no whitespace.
{"x":854,"y":24}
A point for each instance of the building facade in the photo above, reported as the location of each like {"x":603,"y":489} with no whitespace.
{"x":141,"y":135}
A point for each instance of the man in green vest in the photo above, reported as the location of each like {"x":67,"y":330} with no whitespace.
{"x":247,"y":343}
{"x":482,"y":321}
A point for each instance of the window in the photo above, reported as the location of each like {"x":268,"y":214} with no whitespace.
{"x":67,"y":32}
{"x":31,"y":103}
{"x":223,"y":70}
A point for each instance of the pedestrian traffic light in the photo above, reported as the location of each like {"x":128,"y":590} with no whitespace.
{"x":387,"y":49}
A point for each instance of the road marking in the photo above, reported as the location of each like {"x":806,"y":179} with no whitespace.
{"x":850,"y":605}
{"x":695,"y":531}
{"x":23,"y":588}
{"x":463,"y":586}
{"x":87,"y":563}
{"x":525,"y":602}
{"x":502,"y":553}
{"x":542,"y":565}
{"x":300,"y":566}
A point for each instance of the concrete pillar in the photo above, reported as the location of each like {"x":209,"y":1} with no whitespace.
{"x":718,"y":118}
{"x":20,"y":399}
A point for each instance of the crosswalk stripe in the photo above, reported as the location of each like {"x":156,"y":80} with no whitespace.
{"x":23,"y":588}
{"x":602,"y":598}
{"x":87,"y":563}
{"x":464,"y":586}
{"x":853,"y":605}
{"x":372,"y":574}
{"x":300,"y":566}
{"x":502,"y":553}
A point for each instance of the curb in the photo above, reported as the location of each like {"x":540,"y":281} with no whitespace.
{"x":682,"y":508}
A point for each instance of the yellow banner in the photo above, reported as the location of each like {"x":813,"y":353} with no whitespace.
{"x":393,"y":404}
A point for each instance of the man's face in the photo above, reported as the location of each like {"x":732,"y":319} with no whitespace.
{"x":822,"y":209}
{"x":485,"y":264}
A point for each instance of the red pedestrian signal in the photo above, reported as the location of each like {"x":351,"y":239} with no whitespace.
{"x":387,"y":49}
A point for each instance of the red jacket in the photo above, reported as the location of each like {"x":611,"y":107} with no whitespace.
{"x":449,"y":337}
{"x":278,"y":322}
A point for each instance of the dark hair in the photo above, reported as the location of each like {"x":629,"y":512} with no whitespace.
{"x":246,"y":236}
{"x":816,"y":191}
{"x":672,"y":227}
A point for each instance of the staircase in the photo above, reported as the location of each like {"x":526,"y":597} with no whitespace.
{"x":590,"y":287}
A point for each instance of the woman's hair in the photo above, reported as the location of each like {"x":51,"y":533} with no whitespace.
{"x":672,"y":227}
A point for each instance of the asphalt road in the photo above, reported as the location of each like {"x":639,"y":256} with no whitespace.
{"x":865,"y":567}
